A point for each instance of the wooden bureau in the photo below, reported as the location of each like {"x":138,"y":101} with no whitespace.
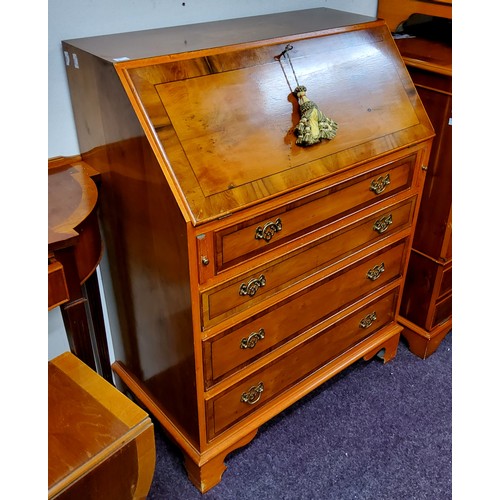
{"x":248,"y":269}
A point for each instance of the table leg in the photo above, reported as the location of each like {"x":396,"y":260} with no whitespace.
{"x":75,"y":319}
{"x":75,"y":312}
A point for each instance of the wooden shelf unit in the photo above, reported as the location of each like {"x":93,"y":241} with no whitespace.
{"x":426,"y":309}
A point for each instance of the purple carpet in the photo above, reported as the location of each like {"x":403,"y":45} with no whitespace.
{"x":374,"y":431}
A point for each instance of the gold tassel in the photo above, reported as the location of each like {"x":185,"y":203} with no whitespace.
{"x":313,"y":125}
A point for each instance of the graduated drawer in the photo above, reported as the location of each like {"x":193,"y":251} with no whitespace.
{"x":248,"y":289}
{"x":232,"y":349}
{"x":253,"y":392}
{"x":252,"y":237}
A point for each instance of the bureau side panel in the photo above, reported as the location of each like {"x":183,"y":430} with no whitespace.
{"x":146,"y":243}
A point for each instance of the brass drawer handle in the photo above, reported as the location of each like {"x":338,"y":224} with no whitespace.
{"x":253,"y":395}
{"x":368,"y":320}
{"x":379,"y":185}
{"x":252,"y":286}
{"x":251,"y":341}
{"x":375,"y":272}
{"x":383,"y":224}
{"x":267,"y":232}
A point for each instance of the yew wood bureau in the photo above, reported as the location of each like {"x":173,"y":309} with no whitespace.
{"x":247,"y":269}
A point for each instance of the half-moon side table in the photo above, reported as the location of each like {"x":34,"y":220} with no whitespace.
{"x":74,"y":251}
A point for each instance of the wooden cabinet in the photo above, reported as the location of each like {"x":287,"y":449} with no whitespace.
{"x":248,"y":269}
{"x":426,"y":308}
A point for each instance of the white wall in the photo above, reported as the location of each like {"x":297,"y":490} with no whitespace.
{"x":68,"y":19}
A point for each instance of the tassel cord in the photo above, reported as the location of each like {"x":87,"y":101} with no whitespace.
{"x":287,"y":57}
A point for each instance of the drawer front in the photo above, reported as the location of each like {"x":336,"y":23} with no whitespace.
{"x":250,"y":238}
{"x":296,"y":314}
{"x":254,"y":391}
{"x":249,"y":289}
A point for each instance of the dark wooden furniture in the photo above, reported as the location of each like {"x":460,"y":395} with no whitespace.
{"x":75,"y":247}
{"x":426,"y":308}
{"x":248,"y":269}
{"x":100,"y":444}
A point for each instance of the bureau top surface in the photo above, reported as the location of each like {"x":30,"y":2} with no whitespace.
{"x":192,"y":37}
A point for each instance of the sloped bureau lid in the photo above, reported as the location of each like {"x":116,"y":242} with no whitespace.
{"x":222,"y":118}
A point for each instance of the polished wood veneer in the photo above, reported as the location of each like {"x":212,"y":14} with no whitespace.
{"x":248,"y":270}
